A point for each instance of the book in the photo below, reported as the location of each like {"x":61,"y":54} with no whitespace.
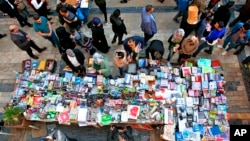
{"x":133,"y":111}
{"x":63,"y":117}
{"x":206,"y":69}
{"x":186,"y":71}
{"x":204,"y":84}
{"x":99,"y":80}
{"x":191,"y":92}
{"x":196,"y":85}
{"x":82,"y":114}
{"x":189,"y":102}
{"x":203,"y":62}
{"x":194,"y":70}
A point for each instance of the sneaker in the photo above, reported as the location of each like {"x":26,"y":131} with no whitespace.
{"x":176,"y":20}
{"x":35,"y":57}
{"x":2,"y":35}
{"x":224,"y":53}
{"x":43,"y":49}
{"x":219,"y":46}
{"x":208,"y":52}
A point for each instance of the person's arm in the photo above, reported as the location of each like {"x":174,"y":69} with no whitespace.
{"x":50,"y":28}
{"x":147,"y":53}
{"x":37,"y":5}
{"x":105,"y":68}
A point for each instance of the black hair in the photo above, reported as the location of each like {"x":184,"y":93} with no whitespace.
{"x":62,"y":0}
{"x":246,"y":26}
{"x":221,"y":24}
{"x":36,"y":16}
{"x":149,"y":7}
{"x":117,"y":13}
{"x":63,"y":10}
{"x":120,"y":54}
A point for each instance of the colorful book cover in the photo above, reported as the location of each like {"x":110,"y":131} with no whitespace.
{"x":203,"y":62}
{"x":186,"y":71}
{"x":196,"y":85}
{"x":204,"y":84}
{"x":133,"y":111}
{"x":63,"y":117}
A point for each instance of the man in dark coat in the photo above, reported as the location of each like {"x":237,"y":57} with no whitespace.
{"x":156,"y":49}
{"x":118,"y":26}
{"x":222,"y":14}
{"x":23,"y":41}
{"x":64,"y":4}
{"x":8,"y":6}
{"x":244,"y":14}
{"x":75,"y":59}
{"x":98,"y":36}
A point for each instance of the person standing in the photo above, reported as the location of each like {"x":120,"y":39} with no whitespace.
{"x":182,"y":6}
{"x":102,"y":6}
{"x":98,"y":36}
{"x":212,"y":38}
{"x":44,"y":29}
{"x":8,"y":6}
{"x":74,"y":58}
{"x":133,"y":44}
{"x":239,"y":34}
{"x":23,"y":41}
{"x":69,"y":7}
{"x":118,"y":26}
{"x":148,"y":22}
{"x":41,"y":8}
{"x":155,"y":49}
{"x":244,"y":14}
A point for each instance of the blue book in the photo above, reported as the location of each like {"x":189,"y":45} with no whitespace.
{"x":204,"y":84}
{"x":178,"y":136}
{"x":215,"y":130}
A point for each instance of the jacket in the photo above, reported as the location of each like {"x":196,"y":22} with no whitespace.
{"x":222,"y":14}
{"x":148,"y":24}
{"x":155,"y":45}
{"x":20,"y":41}
{"x":138,"y":39}
{"x":120,"y":62}
{"x":118,"y":25}
{"x":79,"y":56}
{"x":215,"y":34}
{"x":182,"y":5}
{"x":104,"y":67}
{"x":100,"y":2}
{"x":236,"y":27}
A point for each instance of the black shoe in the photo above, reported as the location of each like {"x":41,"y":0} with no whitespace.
{"x":113,"y":41}
{"x":120,"y":43}
{"x":236,"y":53}
{"x":208,"y":52}
{"x":123,"y":1}
{"x":2,"y":35}
{"x":43,"y":49}
{"x":22,"y":25}
{"x":35,"y":57}
{"x":29,"y":24}
{"x":176,"y":20}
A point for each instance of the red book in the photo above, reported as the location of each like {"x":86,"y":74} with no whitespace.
{"x":63,"y":117}
{"x":215,"y":63}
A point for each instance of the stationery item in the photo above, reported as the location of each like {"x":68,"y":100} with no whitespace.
{"x":124,"y":116}
{"x":203,"y":62}
{"x":142,"y":62}
{"x":168,"y":132}
{"x":73,"y":114}
{"x":168,"y":116}
{"x":189,"y":102}
{"x":99,"y":80}
{"x":63,"y":117}
{"x":82,"y":114}
{"x":186,"y":71}
{"x":204,"y":84}
{"x":215,"y":130}
{"x":191,"y":92}
{"x":196,"y":85}
{"x":133,"y":111}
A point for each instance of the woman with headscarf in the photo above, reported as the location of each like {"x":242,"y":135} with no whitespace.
{"x":74,"y":58}
{"x":101,"y":65}
{"x":174,"y":41}
{"x":188,"y":46}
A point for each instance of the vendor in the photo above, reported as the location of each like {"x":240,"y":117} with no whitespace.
{"x":121,"y":59}
{"x":74,"y":58}
{"x":101,"y":65}
{"x":134,"y":45}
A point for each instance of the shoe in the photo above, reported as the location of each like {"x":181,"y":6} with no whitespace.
{"x":219,"y":46}
{"x":208,"y":52}
{"x":176,"y":20}
{"x":120,"y":43}
{"x":224,"y":53}
{"x":43,"y":49}
{"x":35,"y":57}
{"x":123,"y":1}
{"x":113,"y":41}
{"x":2,"y":35}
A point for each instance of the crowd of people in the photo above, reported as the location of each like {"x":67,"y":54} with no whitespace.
{"x":201,"y":26}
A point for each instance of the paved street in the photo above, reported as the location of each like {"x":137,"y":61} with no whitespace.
{"x":236,"y":86}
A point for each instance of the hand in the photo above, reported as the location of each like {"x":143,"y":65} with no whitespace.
{"x":100,"y":71}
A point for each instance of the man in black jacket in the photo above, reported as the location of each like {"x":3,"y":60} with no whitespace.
{"x":75,"y":59}
{"x":64,"y":4}
{"x":23,"y":41}
{"x":156,"y":49}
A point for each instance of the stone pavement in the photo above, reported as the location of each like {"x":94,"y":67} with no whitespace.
{"x":11,"y":59}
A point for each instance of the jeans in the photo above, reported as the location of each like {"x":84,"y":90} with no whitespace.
{"x":121,"y":71}
{"x":231,"y":45}
{"x":53,"y":39}
{"x":202,"y":46}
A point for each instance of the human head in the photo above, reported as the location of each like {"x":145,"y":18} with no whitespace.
{"x":229,"y":4}
{"x":117,"y":13}
{"x":178,"y":35}
{"x":62,"y":1}
{"x":98,"y":58}
{"x":120,"y":55}
{"x":219,"y":25}
{"x":13,"y":28}
{"x":131,"y":43}
{"x":157,"y":55}
{"x":96,"y":21}
{"x":149,"y":8}
{"x":245,"y":27}
{"x":70,"y":53}
{"x":208,"y":19}
{"x":72,"y":31}
{"x":63,"y":11}
{"x":37,"y":18}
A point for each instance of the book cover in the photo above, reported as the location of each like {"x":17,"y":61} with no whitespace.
{"x":212,"y":85}
{"x":206,"y":69}
{"x":99,"y":80}
{"x":191,"y":92}
{"x":194,"y":70}
{"x":204,"y":84}
{"x":186,"y":71}
{"x":203,"y":62}
{"x":63,"y":117}
{"x":196,"y":85}
{"x":133,"y":111}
